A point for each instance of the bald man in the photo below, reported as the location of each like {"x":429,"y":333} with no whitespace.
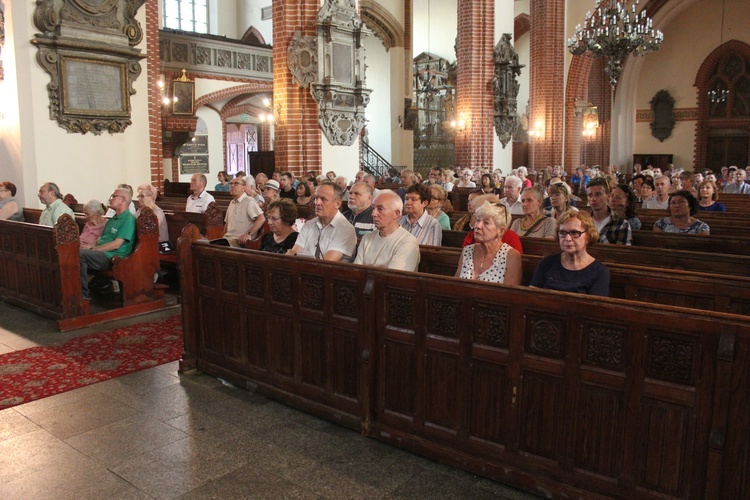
{"x":390,"y":245}
{"x":117,"y":239}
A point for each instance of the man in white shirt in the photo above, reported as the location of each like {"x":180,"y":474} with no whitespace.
{"x":416,"y":220}
{"x":200,"y":199}
{"x":660,"y":201}
{"x":739,"y":186}
{"x":390,"y":245}
{"x":244,"y":216}
{"x":329,"y":236}
{"x":512,"y":191}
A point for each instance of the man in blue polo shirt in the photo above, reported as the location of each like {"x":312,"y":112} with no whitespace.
{"x":117,"y":239}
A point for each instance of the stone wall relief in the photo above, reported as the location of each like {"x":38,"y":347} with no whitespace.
{"x":505,"y":88}
{"x":332,"y":65}
{"x":88,"y":49}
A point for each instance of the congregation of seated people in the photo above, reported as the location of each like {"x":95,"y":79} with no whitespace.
{"x":356,"y":222}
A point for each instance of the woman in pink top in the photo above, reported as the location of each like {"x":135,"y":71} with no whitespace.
{"x":94,"y":212}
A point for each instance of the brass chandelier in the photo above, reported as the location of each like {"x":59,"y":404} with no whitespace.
{"x":615,"y":30}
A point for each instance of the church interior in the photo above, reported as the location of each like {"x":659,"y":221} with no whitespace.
{"x":97,"y":93}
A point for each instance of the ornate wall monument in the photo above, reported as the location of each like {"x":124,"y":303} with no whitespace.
{"x":332,"y":64}
{"x":662,"y":106}
{"x":505,"y":89}
{"x":88,"y":49}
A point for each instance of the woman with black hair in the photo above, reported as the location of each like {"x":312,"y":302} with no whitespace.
{"x":622,"y":202}
{"x":682,"y":207}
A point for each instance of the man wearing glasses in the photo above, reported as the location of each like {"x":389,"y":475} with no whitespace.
{"x":244,"y":216}
{"x":329,"y":236}
{"x":117,"y":239}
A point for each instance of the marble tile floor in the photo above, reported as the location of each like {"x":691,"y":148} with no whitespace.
{"x":156,"y":434}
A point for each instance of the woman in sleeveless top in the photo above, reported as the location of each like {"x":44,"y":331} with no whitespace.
{"x":9,"y":207}
{"x":489,"y":259}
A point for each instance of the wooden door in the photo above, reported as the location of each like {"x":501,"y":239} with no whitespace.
{"x":726,"y":151}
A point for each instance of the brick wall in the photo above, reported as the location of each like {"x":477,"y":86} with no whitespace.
{"x":547,"y":59}
{"x":476,"y":31}
{"x":154,"y":95}
{"x":297,"y":143}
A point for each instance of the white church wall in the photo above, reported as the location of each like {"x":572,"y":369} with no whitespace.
{"x":675,"y":65}
{"x":87,"y":166}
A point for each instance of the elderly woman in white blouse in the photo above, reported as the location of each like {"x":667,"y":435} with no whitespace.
{"x":489,"y":259}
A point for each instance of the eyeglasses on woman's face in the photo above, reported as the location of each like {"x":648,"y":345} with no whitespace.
{"x":562,"y":234}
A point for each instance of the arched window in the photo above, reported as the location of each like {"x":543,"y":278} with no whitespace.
{"x":729,"y":94}
{"x":186,"y":15}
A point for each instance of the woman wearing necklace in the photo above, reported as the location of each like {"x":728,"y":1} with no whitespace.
{"x":682,"y":207}
{"x":489,"y":259}
{"x":535,"y":223}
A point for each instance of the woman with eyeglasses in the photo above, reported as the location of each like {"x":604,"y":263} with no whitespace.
{"x":435,"y":207}
{"x":573,"y":270}
{"x":9,"y":207}
{"x":489,"y":259}
{"x":622,"y":202}
{"x":281,"y":216}
{"x":682,"y":207}
{"x":535,"y":223}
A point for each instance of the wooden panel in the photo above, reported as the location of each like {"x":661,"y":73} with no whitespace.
{"x":599,"y":430}
{"x":542,"y":397}
{"x":283,"y":349}
{"x":398,"y":381}
{"x":490,"y":403}
{"x":344,"y":366}
{"x":440,"y":389}
{"x":312,"y":349}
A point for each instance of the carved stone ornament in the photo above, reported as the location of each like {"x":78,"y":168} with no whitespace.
{"x":332,"y":65}
{"x":505,"y":89}
{"x":662,"y":107}
{"x":88,"y":49}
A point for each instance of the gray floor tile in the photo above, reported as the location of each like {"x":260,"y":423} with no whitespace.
{"x":179,"y":467}
{"x":81,"y":415}
{"x":123,"y":440}
{"x":13,"y":424}
{"x":30,"y":453}
{"x":74,"y":478}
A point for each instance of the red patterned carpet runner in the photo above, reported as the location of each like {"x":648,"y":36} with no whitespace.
{"x":40,"y":372}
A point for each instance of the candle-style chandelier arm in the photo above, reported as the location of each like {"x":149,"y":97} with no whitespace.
{"x":613,"y":31}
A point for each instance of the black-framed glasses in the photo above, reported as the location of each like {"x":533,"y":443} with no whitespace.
{"x":562,"y":234}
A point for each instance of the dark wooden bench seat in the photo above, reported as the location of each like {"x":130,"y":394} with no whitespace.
{"x":566,"y":394}
{"x":135,"y":273}
{"x":39,"y":267}
{"x":695,"y":290}
{"x":648,"y":256}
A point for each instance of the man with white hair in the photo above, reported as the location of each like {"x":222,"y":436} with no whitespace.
{"x":661,"y":200}
{"x":390,"y":245}
{"x":200,"y":199}
{"x":739,"y":186}
{"x":466,"y":181}
{"x":512,"y":191}
{"x":244,"y":217}
{"x":370,"y":180}
{"x":343,"y":183}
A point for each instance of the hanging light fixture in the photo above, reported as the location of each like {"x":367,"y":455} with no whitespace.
{"x":719,"y":93}
{"x":615,"y":30}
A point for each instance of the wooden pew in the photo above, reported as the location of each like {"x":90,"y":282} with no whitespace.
{"x":135,"y":273}
{"x":706,"y":261}
{"x":39,"y":267}
{"x":671,"y":287}
{"x":566,"y":394}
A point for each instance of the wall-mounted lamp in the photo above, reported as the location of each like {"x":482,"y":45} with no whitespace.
{"x":590,"y":115}
{"x":537,"y":131}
